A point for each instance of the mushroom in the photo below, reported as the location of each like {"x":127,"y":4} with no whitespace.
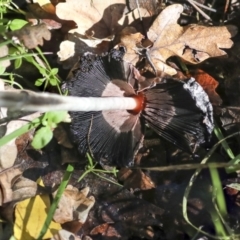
{"x":177,"y":110}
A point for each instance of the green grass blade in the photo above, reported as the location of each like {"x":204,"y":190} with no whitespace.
{"x":33,"y":124}
{"x":62,"y":187}
{"x":224,"y":143}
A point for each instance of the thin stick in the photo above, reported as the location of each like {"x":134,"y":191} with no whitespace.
{"x":205,"y":7}
{"x":190,"y":166}
{"x":43,"y":102}
{"x":199,"y":10}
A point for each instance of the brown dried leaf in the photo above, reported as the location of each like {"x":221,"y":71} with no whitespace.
{"x":7,"y":179}
{"x":135,"y":179}
{"x":62,"y":137}
{"x":107,"y":230}
{"x":209,"y":84}
{"x":97,"y":22}
{"x":193,"y":43}
{"x":15,"y":188}
{"x":74,"y":205}
{"x":32,"y":36}
{"x":96,"y":18}
{"x":45,"y":13}
{"x":25,"y":188}
{"x":130,"y":39}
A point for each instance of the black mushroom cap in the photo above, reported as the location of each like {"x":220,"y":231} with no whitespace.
{"x":178,"y":111}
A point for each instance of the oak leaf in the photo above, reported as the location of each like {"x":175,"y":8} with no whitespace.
{"x":98,"y":19}
{"x":97,"y":23}
{"x":193,"y":43}
{"x":32,"y":36}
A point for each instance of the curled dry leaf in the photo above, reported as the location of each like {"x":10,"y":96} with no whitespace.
{"x":7,"y":180}
{"x":135,"y":178}
{"x":209,"y":84}
{"x":109,"y":231}
{"x":32,"y":36}
{"x":45,"y":13}
{"x":130,"y":39}
{"x":193,"y":43}
{"x":74,"y":205}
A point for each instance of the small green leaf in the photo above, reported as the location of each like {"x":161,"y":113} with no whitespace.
{"x":54,"y":71}
{"x":17,"y":24}
{"x":39,"y":82}
{"x":43,"y":71}
{"x":2,"y":29}
{"x":42,"y":137}
{"x":18,"y":63}
{"x":53,"y":81}
{"x":2,"y":70}
{"x":56,"y":116}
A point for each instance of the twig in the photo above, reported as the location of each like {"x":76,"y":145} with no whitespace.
{"x":199,"y":10}
{"x":190,"y":166}
{"x":205,"y":7}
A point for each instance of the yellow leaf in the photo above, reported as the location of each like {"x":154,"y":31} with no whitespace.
{"x":30,"y":216}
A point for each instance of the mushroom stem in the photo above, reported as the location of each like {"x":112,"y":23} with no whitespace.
{"x":43,"y":102}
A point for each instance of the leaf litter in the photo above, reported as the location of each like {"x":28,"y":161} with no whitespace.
{"x":99,"y":26}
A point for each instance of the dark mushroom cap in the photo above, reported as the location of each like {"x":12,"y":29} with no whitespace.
{"x":112,"y":137}
{"x":178,"y":111}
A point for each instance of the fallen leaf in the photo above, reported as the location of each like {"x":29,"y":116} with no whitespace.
{"x":209,"y":84}
{"x":130,"y":39}
{"x":32,"y":36}
{"x":98,"y":22}
{"x":107,"y":230}
{"x":30,"y":216}
{"x":25,"y":188}
{"x":135,"y":179}
{"x":193,"y":43}
{"x":45,"y":14}
{"x":95,"y":18}
{"x":7,"y":179}
{"x":15,"y":188}
{"x":74,"y":205}
{"x":60,"y":133}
